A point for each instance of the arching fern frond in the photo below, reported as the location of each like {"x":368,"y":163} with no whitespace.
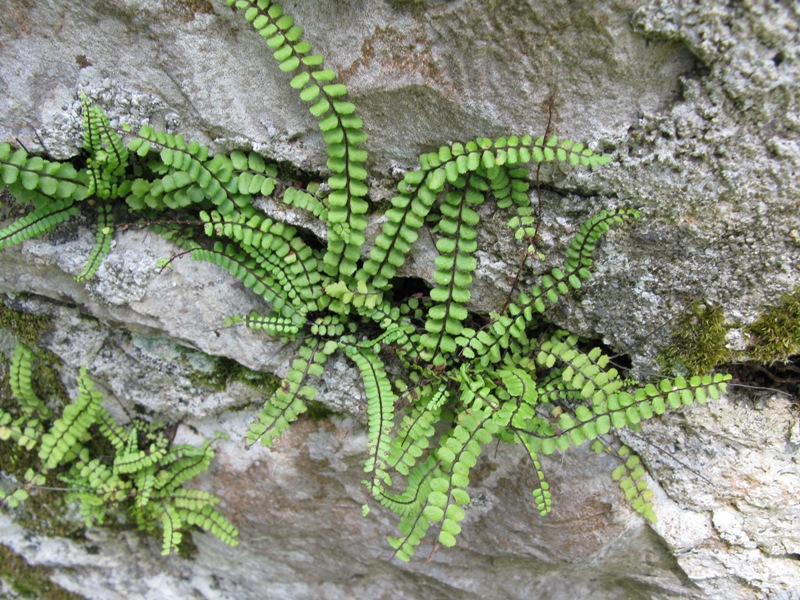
{"x":341,"y":129}
{"x":37,"y":223}
{"x":289,"y":401}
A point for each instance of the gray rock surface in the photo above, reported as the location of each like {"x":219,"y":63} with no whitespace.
{"x":698,"y":104}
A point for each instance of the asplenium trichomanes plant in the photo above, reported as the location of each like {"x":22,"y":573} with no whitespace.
{"x":108,"y":467}
{"x":463,"y":384}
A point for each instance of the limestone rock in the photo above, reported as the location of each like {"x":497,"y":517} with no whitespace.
{"x":697,"y":103}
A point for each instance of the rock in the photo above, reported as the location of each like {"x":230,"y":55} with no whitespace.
{"x":696,"y":103}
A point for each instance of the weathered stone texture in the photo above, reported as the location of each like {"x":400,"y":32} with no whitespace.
{"x":698,"y":104}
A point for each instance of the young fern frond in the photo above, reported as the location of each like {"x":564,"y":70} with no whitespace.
{"x":102,"y":245}
{"x":108,"y":157}
{"x":541,"y":493}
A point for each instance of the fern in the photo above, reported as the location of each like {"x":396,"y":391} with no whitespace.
{"x":289,"y":400}
{"x":21,"y":383}
{"x":439,"y":384}
{"x":71,"y":427}
{"x":143,"y":474}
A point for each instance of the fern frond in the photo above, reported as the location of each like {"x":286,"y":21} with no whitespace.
{"x":134,"y":460}
{"x":341,"y":129}
{"x":21,"y":383}
{"x":415,"y":433}
{"x":181,"y":464}
{"x":510,"y":327}
{"x":73,"y":424}
{"x":306,"y":201}
{"x":200,"y":513}
{"x":457,"y":454}
{"x":40,"y":221}
{"x":251,"y":274}
{"x":401,"y":229}
{"x":171,"y":523}
{"x":277,"y":248}
{"x":582,"y":372}
{"x":541,"y":492}
{"x":380,"y":414}
{"x":25,"y":176}
{"x":108,"y":157}
{"x":454,"y":267}
{"x":631,"y":477}
{"x":102,"y":245}
{"x":289,"y":401}
{"x":192,"y":172}
{"x":509,"y":186}
{"x":111,"y":430}
{"x":272,"y":323}
{"x":252,"y":174}
{"x":610,"y":406}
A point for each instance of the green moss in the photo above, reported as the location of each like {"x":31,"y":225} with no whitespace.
{"x":28,"y":581}
{"x":25,"y":327}
{"x":227,"y":371}
{"x":697,"y":344}
{"x":776,"y":334}
{"x":317,"y":411}
{"x":44,"y":510}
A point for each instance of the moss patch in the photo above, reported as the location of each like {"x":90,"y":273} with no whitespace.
{"x":25,"y":327}
{"x":228,"y":371}
{"x":776,"y":334}
{"x":697,"y":344}
{"x":28,"y":581}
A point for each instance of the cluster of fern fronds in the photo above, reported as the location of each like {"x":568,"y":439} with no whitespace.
{"x":104,"y":466}
{"x":464,"y":383}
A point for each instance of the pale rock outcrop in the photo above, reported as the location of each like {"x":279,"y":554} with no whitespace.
{"x":698,"y":104}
